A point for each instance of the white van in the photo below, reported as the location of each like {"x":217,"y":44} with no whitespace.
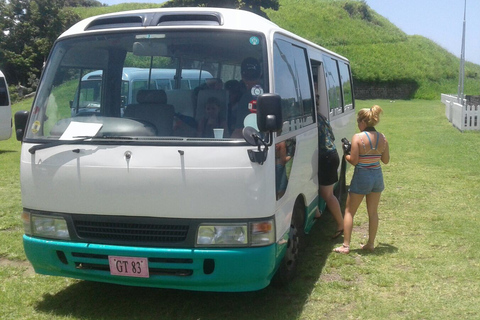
{"x":87,"y":99}
{"x":141,"y":196}
{"x":5,"y":110}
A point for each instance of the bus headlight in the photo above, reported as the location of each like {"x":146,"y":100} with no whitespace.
{"x":260,"y":233}
{"x":45,"y":226}
{"x":222,"y":235}
{"x":263,"y":233}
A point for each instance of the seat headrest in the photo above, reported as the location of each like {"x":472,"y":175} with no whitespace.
{"x":152,"y":96}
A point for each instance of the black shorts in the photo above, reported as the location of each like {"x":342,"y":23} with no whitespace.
{"x":327,"y":168}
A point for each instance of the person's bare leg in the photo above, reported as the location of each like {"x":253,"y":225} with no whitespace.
{"x":353,"y":202}
{"x":373,"y":199}
{"x":326,"y":192}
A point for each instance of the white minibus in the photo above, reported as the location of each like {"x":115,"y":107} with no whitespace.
{"x":5,"y":110}
{"x":209,"y":187}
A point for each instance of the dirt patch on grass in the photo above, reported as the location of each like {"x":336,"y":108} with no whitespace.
{"x":330,"y":277}
{"x":4,"y":262}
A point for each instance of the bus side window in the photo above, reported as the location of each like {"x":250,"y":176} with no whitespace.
{"x":347,"y":92}
{"x":333,"y":86}
{"x":293,"y":84}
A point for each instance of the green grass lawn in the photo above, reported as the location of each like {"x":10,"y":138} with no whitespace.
{"x":426,"y":265}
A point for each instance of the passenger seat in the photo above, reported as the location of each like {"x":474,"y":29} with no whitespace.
{"x":152,"y":107}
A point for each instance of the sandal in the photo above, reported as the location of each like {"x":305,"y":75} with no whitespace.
{"x":337,"y":234}
{"x":343,"y":249}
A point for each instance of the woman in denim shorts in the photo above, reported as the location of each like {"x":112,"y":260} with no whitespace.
{"x":369,"y":147}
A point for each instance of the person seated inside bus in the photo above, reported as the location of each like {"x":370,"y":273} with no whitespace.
{"x":209,"y":84}
{"x":213,"y":119}
{"x":214,"y":84}
{"x":251,"y":73}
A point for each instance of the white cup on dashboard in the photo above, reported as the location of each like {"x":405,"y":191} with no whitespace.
{"x":218,"y":133}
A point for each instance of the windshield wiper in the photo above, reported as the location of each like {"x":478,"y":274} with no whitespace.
{"x":81,"y":139}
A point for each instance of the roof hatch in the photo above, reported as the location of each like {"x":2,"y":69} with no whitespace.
{"x":186,"y":18}
{"x":116,"y":22}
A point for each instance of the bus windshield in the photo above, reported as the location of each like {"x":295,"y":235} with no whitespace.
{"x":166,"y":85}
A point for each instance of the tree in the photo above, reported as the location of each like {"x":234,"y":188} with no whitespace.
{"x":83,"y":3}
{"x":248,"y":5}
{"x":30,"y":29}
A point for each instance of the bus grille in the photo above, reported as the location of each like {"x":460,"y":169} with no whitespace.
{"x":112,"y":231}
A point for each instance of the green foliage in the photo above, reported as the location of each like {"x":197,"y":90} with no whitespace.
{"x":30,"y":29}
{"x":82,"y":3}
{"x":249,"y":5}
{"x":379,"y":52}
{"x":85,"y":12}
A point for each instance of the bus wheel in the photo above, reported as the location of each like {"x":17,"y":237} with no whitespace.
{"x":288,"y":266}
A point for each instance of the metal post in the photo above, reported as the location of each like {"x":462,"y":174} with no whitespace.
{"x":461,"y":76}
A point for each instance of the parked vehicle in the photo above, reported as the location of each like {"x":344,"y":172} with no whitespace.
{"x":6,"y":123}
{"x":87,"y":98}
{"x":130,"y":193}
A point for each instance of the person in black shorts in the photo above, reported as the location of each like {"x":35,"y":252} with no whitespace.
{"x":328,"y":161}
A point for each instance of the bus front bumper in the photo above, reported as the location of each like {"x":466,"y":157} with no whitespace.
{"x":201,"y":269}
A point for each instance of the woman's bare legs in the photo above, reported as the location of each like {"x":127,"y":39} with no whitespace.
{"x":373,"y":199}
{"x":326,"y":192}
{"x":353,"y":202}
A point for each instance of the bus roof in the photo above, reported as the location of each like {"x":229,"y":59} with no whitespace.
{"x":172,"y":17}
{"x":177,"y":18}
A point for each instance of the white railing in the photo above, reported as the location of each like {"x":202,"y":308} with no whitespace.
{"x":465,"y":117}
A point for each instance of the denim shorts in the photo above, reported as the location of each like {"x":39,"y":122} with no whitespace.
{"x":365,"y":181}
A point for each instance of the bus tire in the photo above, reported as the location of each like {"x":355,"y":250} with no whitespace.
{"x":288,"y":266}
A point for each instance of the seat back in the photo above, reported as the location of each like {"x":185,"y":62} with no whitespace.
{"x":152,"y":107}
{"x":181,"y":99}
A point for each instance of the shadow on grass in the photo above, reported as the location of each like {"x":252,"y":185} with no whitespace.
{"x":7,"y":151}
{"x":90,"y":300}
{"x":380,"y":249}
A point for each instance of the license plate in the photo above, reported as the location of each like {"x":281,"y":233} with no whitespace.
{"x":128,"y":266}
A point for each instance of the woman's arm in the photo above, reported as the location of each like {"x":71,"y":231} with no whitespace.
{"x":386,"y":153}
{"x":354,"y":152}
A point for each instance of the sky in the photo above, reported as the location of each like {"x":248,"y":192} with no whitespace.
{"x":438,"y":20}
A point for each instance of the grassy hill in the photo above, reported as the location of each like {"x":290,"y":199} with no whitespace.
{"x":380,"y":53}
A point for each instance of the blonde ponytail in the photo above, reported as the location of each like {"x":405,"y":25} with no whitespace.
{"x":371,"y":116}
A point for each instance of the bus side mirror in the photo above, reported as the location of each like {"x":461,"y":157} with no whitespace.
{"x":269,"y":112}
{"x":21,"y":118}
{"x":269,"y":119}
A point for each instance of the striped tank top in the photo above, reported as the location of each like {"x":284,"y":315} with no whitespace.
{"x":368,"y":160}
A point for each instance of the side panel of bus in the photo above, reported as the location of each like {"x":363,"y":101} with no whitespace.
{"x":298,"y":67}
{"x":292,"y":79}
{"x":5,"y":110}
